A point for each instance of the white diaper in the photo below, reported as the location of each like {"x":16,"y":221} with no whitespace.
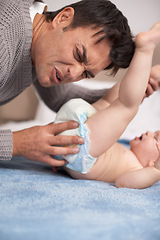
{"x":77,"y":110}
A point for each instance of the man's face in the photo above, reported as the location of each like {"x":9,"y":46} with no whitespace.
{"x":68,"y":56}
{"x":145,"y":147}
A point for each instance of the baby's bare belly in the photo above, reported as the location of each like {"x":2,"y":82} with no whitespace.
{"x":100,"y":171}
{"x":108,"y":166}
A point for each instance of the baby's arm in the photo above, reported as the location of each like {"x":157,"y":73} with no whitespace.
{"x":112,"y":93}
{"x":107,"y":125}
{"x":108,"y":98}
{"x":141,"y":178}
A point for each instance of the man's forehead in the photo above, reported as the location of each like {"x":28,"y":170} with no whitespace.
{"x":96,"y":33}
{"x":99,"y":34}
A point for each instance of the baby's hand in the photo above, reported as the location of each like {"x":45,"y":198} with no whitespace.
{"x":147,"y":41}
{"x":155,"y":73}
{"x":154,"y":81}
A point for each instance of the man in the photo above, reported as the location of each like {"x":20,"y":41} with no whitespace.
{"x":52,"y":49}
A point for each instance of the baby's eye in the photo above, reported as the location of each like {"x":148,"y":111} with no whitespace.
{"x":156,"y":138}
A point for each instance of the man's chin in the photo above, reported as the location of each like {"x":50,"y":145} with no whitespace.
{"x":47,"y":83}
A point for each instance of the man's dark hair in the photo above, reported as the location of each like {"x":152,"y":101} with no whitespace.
{"x":104,"y":14}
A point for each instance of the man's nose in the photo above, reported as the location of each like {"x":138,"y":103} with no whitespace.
{"x":75,"y":72}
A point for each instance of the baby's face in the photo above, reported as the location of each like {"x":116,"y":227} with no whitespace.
{"x":145,"y":147}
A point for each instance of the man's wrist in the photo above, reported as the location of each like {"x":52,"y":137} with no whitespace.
{"x":15,"y":143}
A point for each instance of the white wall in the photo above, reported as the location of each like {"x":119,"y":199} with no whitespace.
{"x":141,"y":14}
{"x":55,"y":4}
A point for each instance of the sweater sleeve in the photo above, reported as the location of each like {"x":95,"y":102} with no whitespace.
{"x":55,"y":97}
{"x":6,"y":144}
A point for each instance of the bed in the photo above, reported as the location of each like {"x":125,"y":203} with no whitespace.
{"x":37,"y":203}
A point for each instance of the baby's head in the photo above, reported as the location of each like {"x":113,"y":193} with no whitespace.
{"x":146,"y":148}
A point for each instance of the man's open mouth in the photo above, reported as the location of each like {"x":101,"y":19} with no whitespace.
{"x":58,"y":77}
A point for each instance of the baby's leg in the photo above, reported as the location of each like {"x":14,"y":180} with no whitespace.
{"x":146,"y":41}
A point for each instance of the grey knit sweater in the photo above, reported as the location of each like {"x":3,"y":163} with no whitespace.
{"x":16,"y":71}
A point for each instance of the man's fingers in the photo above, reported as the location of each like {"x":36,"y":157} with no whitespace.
{"x":54,"y":162}
{"x":149,"y":90}
{"x":62,"y":140}
{"x":154,"y":84}
{"x":60,"y":127}
{"x":62,"y":150}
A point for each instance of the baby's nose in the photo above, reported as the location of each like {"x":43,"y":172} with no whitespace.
{"x":148,"y":133}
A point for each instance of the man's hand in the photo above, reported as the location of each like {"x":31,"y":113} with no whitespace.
{"x":41,"y":143}
{"x":153,"y":86}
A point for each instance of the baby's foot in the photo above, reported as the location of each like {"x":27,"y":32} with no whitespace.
{"x":155,"y":73}
{"x":148,"y":40}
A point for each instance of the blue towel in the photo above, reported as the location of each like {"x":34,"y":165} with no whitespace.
{"x":37,"y":204}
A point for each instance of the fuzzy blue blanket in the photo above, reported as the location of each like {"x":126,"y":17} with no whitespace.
{"x":37,"y":204}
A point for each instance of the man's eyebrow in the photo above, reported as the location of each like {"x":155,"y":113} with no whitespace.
{"x":91,"y":74}
{"x":85,"y":60}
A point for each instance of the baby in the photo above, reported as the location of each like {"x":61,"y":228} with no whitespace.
{"x":101,"y":157}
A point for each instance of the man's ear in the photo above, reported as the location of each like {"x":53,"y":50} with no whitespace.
{"x":64,"y":18}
